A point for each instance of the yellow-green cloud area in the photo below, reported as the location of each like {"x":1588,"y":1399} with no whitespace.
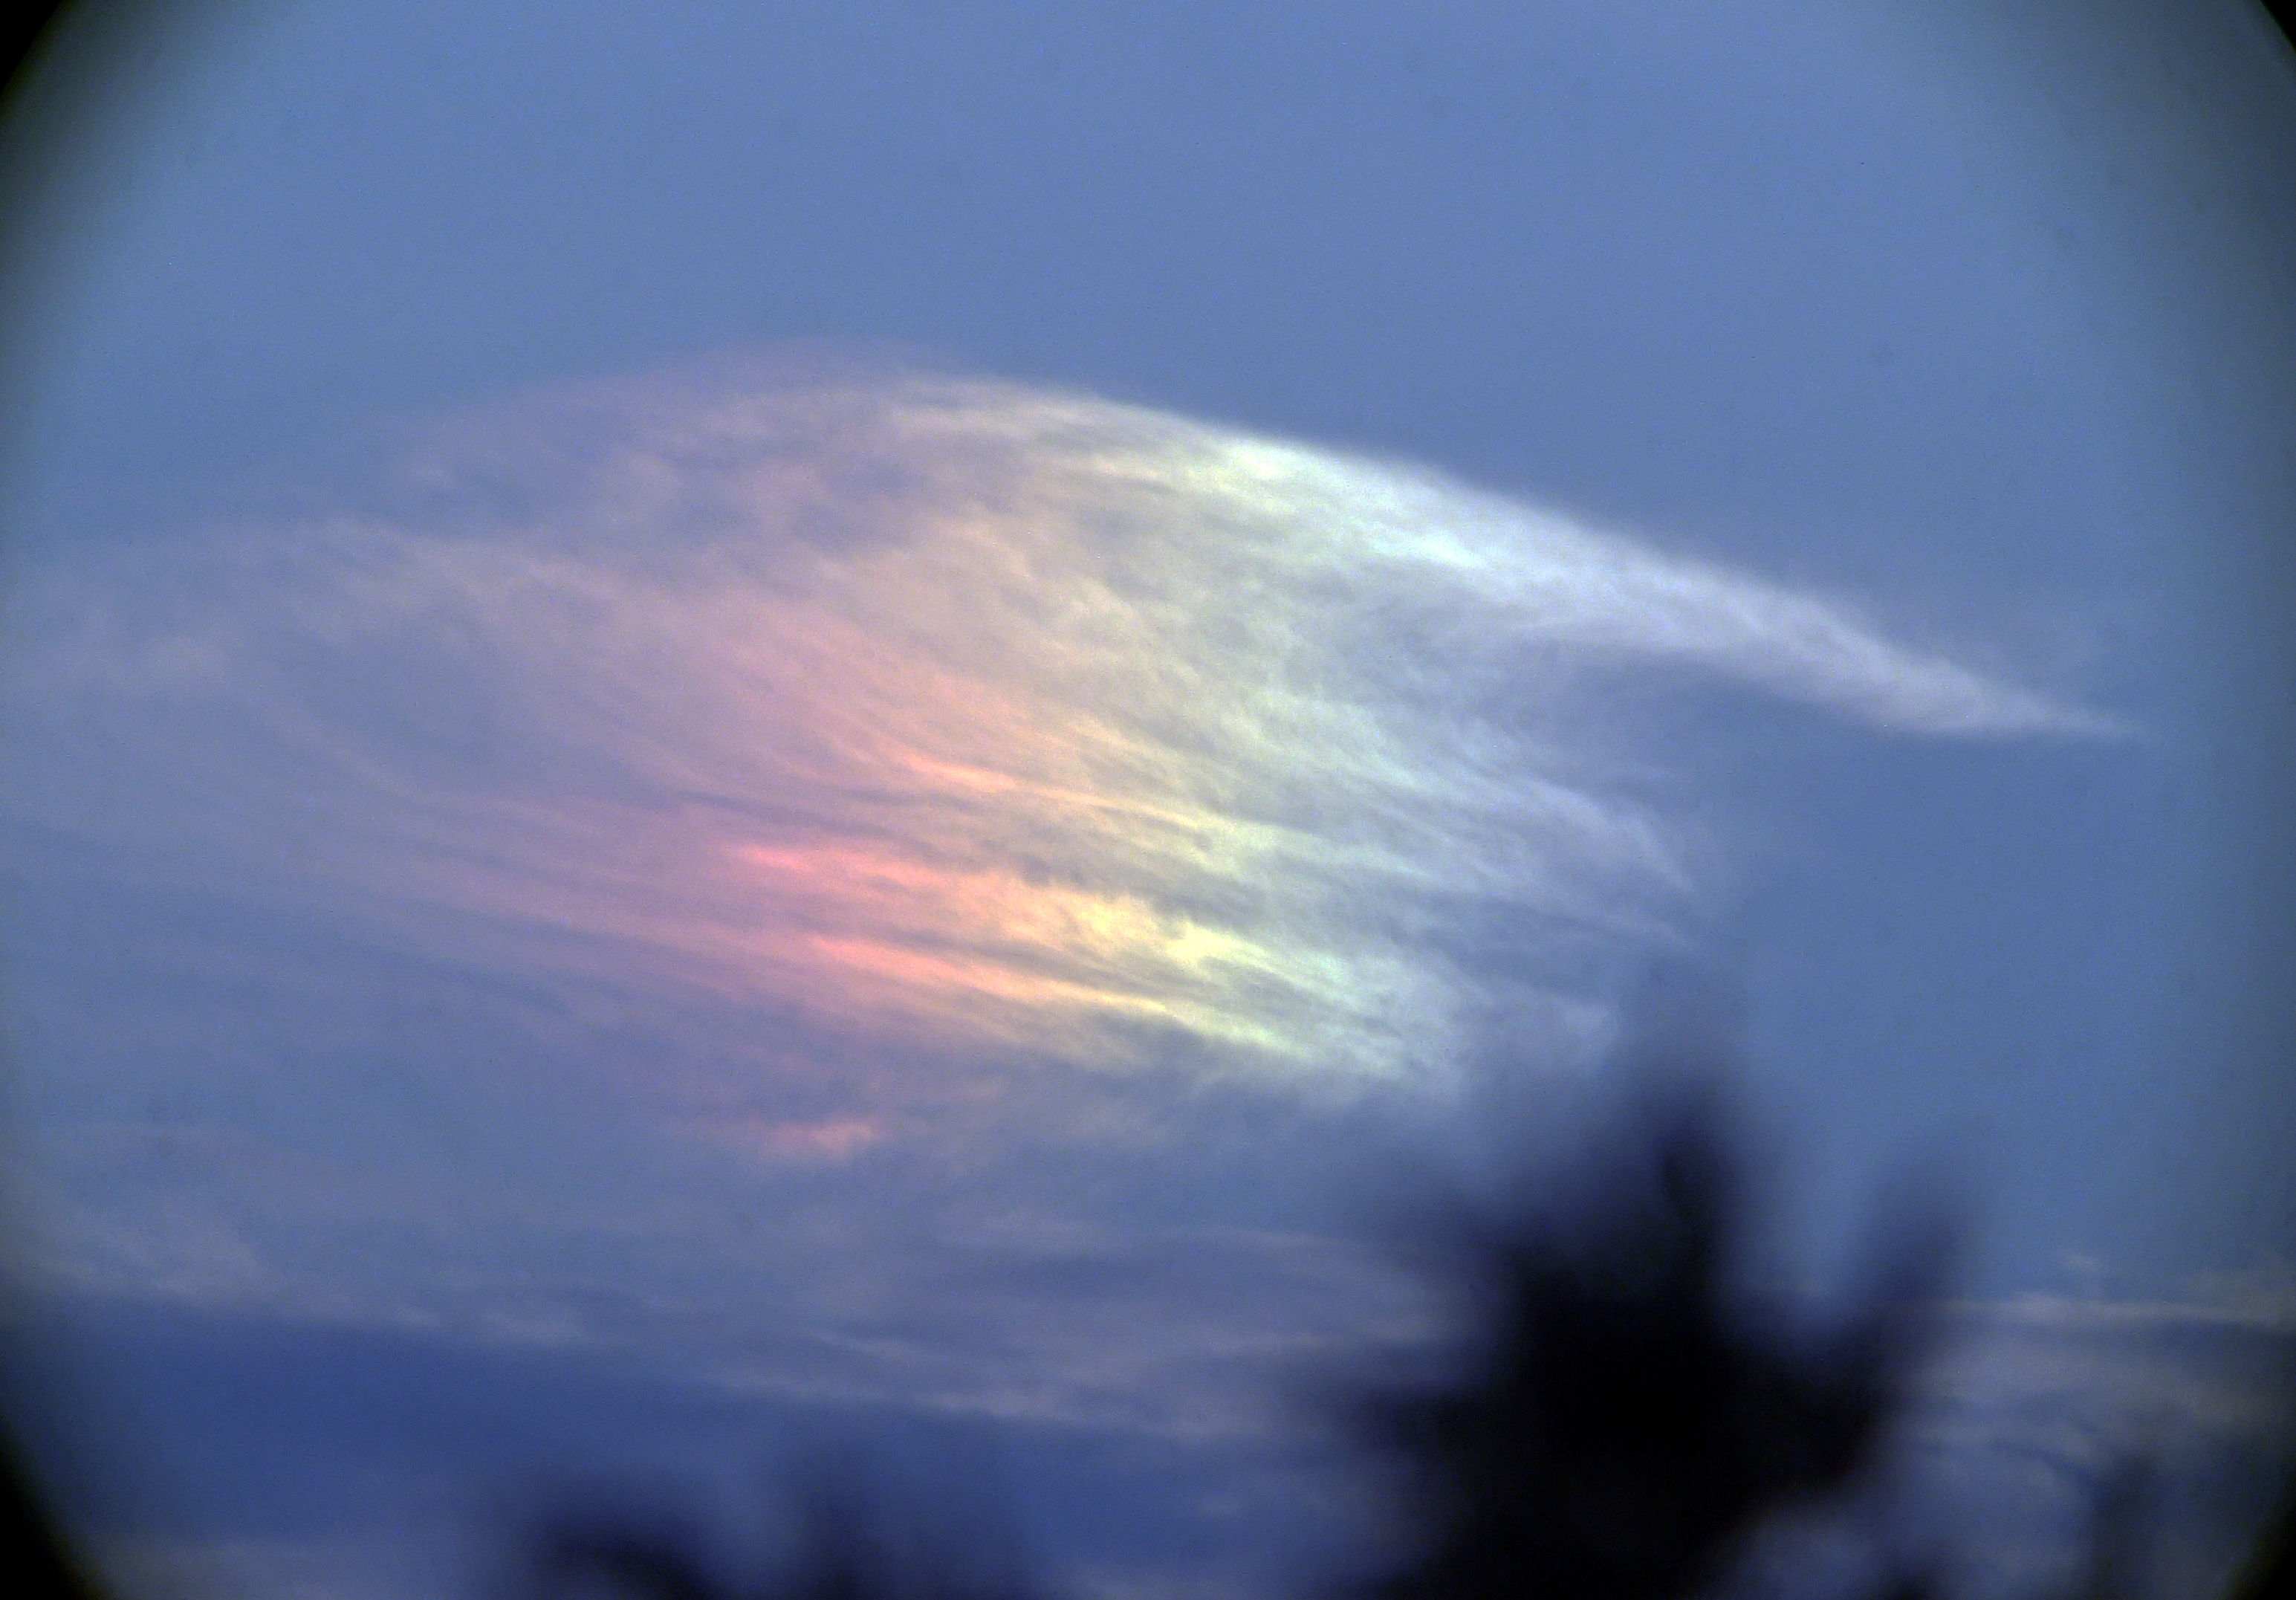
{"x":942,"y":710}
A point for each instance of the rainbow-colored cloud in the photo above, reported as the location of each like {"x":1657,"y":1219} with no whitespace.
{"x":940,"y":709}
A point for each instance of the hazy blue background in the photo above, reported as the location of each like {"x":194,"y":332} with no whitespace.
{"x":1983,"y":320}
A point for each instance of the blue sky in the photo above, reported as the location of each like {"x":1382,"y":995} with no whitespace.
{"x":868,"y":705}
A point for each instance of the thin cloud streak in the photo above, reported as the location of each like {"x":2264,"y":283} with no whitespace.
{"x":940,"y":713}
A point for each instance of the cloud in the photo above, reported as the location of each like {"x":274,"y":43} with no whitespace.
{"x":939,"y":716}
{"x":1121,"y":1379}
{"x":2039,"y":1402}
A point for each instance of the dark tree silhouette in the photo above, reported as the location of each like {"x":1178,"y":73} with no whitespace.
{"x":1629,"y":1418}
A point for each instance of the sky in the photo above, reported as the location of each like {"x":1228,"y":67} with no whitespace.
{"x":845,"y":722}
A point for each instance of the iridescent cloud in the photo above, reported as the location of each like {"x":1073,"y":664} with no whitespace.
{"x":943,"y":712}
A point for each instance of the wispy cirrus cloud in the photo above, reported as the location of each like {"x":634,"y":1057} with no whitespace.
{"x":936,"y":713}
